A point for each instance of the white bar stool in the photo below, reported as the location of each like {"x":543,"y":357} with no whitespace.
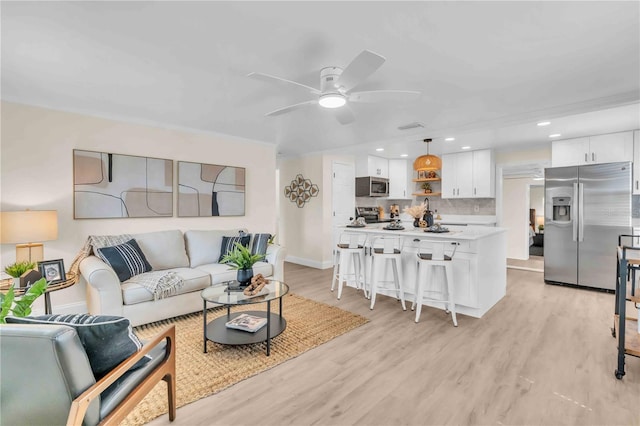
{"x":431,"y":254}
{"x":383,"y":251}
{"x":350,"y":248}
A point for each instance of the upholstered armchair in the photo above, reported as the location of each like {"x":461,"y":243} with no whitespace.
{"x":47,"y":378}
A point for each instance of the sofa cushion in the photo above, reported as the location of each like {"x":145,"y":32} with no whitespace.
{"x":259,"y":243}
{"x":127,"y":260}
{"x":193,"y":280}
{"x":108,"y":340}
{"x":163,"y":249}
{"x":203,"y":247}
{"x":229,"y":243}
{"x":220,"y":272}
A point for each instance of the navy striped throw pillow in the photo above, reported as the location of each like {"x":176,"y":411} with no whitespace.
{"x":127,"y":260}
{"x":259,"y":244}
{"x":108,"y":340}
{"x":229,"y":243}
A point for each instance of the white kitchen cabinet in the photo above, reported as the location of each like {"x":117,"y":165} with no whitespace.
{"x":468,"y":175}
{"x":636,"y":162}
{"x":398,"y":179}
{"x":484,"y":174}
{"x":607,"y":148}
{"x":372,"y":166}
{"x":569,"y":152}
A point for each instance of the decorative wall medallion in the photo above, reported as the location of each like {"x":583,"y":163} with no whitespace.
{"x":301,"y":190}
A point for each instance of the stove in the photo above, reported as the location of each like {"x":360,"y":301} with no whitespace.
{"x":370,"y":215}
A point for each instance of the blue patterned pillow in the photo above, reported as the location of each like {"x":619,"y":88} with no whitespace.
{"x":107,"y":340}
{"x":259,"y":244}
{"x":127,"y":260}
{"x":228,"y":243}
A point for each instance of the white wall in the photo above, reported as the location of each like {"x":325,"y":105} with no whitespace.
{"x":307,"y":232}
{"x":515,"y":192}
{"x":37,"y":173}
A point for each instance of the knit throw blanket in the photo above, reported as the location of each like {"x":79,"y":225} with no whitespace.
{"x":159,"y":283}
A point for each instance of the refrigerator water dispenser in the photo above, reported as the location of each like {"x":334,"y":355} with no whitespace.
{"x":562,"y":209}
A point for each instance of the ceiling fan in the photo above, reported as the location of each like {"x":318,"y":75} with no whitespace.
{"x":336,"y":84}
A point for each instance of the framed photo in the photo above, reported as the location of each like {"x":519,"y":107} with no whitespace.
{"x":52,"y":270}
{"x":422,"y":174}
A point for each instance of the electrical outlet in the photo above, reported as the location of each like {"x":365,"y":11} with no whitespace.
{"x":476,"y":208}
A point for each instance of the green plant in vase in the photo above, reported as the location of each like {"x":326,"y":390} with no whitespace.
{"x":240,"y":258}
{"x":427,"y":187}
{"x":19,"y":268}
{"x":21,"y":306}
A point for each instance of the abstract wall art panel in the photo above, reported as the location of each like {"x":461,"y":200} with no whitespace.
{"x":206,"y":190}
{"x":109,"y":185}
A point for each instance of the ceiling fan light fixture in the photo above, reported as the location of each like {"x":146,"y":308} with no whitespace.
{"x":427,"y":162}
{"x":332,"y":100}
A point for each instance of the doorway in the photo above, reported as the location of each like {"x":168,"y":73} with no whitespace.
{"x":343,"y":203}
{"x":514,"y":211}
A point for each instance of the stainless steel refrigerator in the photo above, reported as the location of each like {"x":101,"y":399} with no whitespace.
{"x":586,"y":208}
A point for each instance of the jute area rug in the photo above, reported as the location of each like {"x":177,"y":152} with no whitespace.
{"x":309,"y":324}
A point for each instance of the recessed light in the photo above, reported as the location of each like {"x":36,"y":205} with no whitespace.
{"x":404,"y":155}
{"x":450,"y":139}
{"x":465,"y":147}
{"x":379,"y":149}
{"x":555,"y":135}
{"x":544,"y":123}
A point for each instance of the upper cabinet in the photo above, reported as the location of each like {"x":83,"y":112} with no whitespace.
{"x":636,"y":162}
{"x":372,"y":166}
{"x":599,"y":149}
{"x":468,"y":175}
{"x":398,"y":179}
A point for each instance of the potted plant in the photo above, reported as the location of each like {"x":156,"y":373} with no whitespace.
{"x":427,"y":187}
{"x":540,"y":229}
{"x":17,"y":269}
{"x":20,"y":307}
{"x":240,"y":258}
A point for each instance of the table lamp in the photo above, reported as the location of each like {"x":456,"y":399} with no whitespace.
{"x":27,"y":229}
{"x":539,"y":221}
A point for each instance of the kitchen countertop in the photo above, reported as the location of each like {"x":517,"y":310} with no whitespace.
{"x":470,"y":232}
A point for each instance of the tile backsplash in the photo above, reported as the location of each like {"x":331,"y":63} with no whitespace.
{"x":460,"y":206}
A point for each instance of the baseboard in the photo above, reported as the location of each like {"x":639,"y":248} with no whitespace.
{"x":70,"y":308}
{"x":308,"y":262}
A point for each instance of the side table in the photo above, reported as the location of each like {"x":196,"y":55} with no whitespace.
{"x":70,"y":280}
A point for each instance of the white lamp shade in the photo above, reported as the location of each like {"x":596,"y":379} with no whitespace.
{"x":28,"y":226}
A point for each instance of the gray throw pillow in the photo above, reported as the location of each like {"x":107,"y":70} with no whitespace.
{"x":107,"y":340}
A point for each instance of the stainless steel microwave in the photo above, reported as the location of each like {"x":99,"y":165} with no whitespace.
{"x":370,"y":186}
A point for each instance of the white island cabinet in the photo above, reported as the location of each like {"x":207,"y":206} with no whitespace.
{"x":479,"y":265}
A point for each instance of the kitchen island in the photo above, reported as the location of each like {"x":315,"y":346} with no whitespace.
{"x":479,"y":264}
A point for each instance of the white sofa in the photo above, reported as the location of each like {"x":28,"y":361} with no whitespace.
{"x":193,"y":256}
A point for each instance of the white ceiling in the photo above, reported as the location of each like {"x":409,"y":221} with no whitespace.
{"x":487,"y":70}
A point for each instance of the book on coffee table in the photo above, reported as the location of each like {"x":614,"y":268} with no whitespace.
{"x":246,"y":322}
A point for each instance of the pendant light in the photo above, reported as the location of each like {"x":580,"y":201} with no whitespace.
{"x":427,"y":162}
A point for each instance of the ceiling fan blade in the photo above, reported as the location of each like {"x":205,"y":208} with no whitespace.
{"x":344,"y":114}
{"x":291,"y":108}
{"x":359,"y":69}
{"x":384,"y":95}
{"x":272,"y":78}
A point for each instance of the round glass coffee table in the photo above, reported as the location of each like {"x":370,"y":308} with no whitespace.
{"x":218,"y":332}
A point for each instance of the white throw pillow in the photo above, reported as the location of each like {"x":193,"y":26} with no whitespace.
{"x":203,"y":247}
{"x":163,"y":249}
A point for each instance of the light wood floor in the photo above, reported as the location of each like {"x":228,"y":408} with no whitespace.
{"x":543,"y":355}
